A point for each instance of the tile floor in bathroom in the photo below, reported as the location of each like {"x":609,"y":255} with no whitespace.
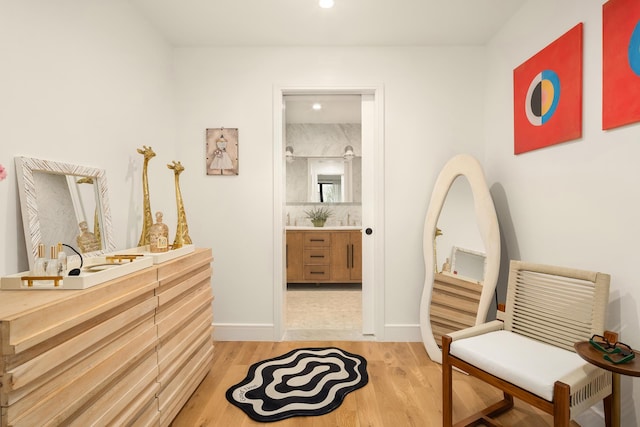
{"x":330,"y":312}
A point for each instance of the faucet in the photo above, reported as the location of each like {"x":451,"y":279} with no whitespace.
{"x":348,"y":218}
{"x":288,"y":219}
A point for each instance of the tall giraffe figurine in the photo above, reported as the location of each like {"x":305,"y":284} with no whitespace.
{"x":147,"y":218}
{"x":182,"y":229}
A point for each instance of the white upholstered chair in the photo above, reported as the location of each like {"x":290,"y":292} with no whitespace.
{"x":529,"y":352}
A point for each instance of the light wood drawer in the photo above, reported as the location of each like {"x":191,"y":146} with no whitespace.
{"x":315,"y":238}
{"x":317,"y":272}
{"x":321,"y":256}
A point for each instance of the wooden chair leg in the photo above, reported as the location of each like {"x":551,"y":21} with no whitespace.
{"x":561,"y":412}
{"x":483,"y":417}
{"x":447,"y":398}
{"x":608,"y":410}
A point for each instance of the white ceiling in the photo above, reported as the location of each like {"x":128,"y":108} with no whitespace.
{"x":348,"y":23}
{"x":199,"y":23}
{"x":335,"y":109}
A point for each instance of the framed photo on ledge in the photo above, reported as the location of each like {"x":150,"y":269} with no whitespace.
{"x":222,"y":151}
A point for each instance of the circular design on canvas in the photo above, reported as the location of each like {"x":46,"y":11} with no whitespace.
{"x":634,"y":50}
{"x":542,"y":97}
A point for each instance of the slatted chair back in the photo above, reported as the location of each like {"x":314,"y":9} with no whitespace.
{"x":556,"y":305}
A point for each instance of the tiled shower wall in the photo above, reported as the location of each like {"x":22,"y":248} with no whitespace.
{"x":314,"y":140}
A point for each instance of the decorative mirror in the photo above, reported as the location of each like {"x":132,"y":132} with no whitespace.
{"x":450,"y":301}
{"x":64,"y":203}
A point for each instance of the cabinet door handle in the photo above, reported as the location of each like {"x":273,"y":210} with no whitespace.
{"x":286,"y":257}
{"x":316,"y":256}
{"x":352,"y":256}
{"x":348,"y":256}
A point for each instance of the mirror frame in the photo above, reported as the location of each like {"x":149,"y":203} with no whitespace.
{"x":468,"y":166}
{"x":25,"y":167}
{"x":457,"y":252}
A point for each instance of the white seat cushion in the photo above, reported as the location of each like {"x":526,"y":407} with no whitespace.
{"x":532,"y":365}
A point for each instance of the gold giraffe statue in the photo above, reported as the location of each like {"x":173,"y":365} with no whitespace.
{"x":96,"y":217}
{"x":182,"y":229}
{"x":147,"y":218}
{"x":435,"y":257}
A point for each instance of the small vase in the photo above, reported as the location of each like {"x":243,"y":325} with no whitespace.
{"x":318,"y":222}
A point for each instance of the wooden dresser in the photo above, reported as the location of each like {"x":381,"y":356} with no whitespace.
{"x":324,"y":256}
{"x":127,"y":352}
{"x":454,"y":304}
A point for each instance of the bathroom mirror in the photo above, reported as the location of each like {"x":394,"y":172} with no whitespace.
{"x":59,"y":202}
{"x":479,"y":215}
{"x":324,"y":180}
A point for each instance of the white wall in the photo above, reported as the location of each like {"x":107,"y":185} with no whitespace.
{"x":433,"y":110}
{"x":576,"y":204}
{"x":88,"y":82}
{"x":84,"y":82}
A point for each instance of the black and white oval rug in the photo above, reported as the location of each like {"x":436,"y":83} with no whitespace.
{"x":303,"y":382}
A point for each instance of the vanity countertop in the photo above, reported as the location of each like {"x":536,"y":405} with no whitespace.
{"x":330,"y":228}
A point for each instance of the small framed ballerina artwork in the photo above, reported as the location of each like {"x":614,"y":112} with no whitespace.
{"x":222,"y":151}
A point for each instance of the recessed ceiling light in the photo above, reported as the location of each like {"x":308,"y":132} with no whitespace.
{"x":316,"y":106}
{"x":326,"y":4}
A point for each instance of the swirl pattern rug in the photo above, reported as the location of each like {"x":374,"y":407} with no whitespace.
{"x":303,"y":382}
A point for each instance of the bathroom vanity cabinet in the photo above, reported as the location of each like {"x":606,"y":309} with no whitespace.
{"x":294,"y":256}
{"x":126,"y":352}
{"x":324,"y":256}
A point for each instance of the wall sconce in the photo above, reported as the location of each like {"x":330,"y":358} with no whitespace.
{"x":348,"y":153}
{"x":288,"y":152}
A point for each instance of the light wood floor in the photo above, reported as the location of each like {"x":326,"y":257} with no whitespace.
{"x":404,"y":389}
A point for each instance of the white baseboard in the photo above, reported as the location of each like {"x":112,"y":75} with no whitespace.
{"x":266,"y":332}
{"x":243,"y":332}
{"x":402,"y":333}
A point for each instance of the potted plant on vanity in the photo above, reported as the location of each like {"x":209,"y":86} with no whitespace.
{"x":318,"y":216}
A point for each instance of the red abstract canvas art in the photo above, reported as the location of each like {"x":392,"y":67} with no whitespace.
{"x":620,"y":63}
{"x":547,"y":95}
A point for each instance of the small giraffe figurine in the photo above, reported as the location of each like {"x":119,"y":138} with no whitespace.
{"x":182,"y":229}
{"x":147,"y":218}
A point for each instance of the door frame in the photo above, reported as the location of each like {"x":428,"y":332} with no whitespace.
{"x":372,"y":206}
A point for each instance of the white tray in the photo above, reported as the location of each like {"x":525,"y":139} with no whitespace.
{"x":159,"y":257}
{"x":85,"y":280}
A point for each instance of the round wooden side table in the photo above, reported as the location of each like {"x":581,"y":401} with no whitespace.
{"x":595,"y":357}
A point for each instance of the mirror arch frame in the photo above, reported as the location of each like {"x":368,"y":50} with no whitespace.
{"x":469,"y":167}
{"x":25,"y":167}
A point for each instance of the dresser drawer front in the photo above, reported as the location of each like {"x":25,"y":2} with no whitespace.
{"x":316,"y":272}
{"x":315,"y":239}
{"x":320,"y":256}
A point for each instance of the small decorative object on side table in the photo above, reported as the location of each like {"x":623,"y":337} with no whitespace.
{"x":631,"y":368}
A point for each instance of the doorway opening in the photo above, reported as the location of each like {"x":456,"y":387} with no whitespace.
{"x":344,"y":132}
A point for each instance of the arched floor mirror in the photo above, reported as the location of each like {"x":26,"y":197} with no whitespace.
{"x":459,"y":294}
